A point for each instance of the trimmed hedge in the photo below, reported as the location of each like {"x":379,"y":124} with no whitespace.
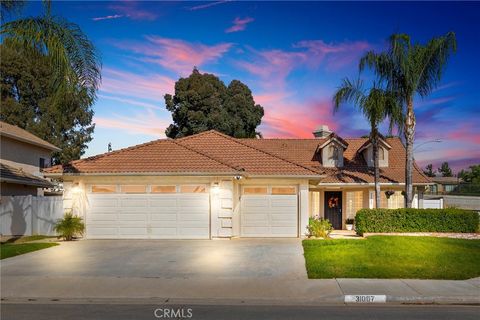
{"x":416,"y":220}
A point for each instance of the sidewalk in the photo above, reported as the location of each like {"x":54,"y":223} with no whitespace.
{"x":236,"y":291}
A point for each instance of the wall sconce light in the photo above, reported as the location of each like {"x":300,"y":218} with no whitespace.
{"x":216,"y":187}
{"x":76,"y":189}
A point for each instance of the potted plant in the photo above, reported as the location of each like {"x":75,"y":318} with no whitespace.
{"x":349,"y":223}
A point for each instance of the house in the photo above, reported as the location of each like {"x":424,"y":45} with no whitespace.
{"x":211,"y":185}
{"x":444,"y":185}
{"x":23,"y":156}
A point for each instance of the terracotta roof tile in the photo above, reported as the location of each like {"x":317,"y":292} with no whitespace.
{"x":213,"y":152}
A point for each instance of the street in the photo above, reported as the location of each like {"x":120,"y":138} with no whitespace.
{"x":21,"y":311}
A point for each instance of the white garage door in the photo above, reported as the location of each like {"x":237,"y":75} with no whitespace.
{"x":148,"y":216}
{"x":269,"y":212}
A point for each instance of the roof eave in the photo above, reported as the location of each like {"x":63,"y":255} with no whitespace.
{"x":45,"y":146}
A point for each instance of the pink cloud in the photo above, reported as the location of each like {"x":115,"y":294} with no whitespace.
{"x":275,"y":65}
{"x":176,"y":55}
{"x":467,"y":132}
{"x":115,"y":16}
{"x":239,"y":24}
{"x":133,"y":85}
{"x":208,"y":5}
{"x":147,"y":123}
{"x":131,"y":10}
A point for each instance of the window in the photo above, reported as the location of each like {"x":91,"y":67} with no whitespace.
{"x":354,"y":203}
{"x":334,"y":153}
{"x":42,"y":163}
{"x":164,"y":189}
{"x":284,"y":190}
{"x":134,"y":189}
{"x":381,"y":153}
{"x":255,"y":190}
{"x":193,"y":189}
{"x":104,"y":189}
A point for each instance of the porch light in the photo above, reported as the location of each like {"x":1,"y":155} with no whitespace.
{"x":76,"y":189}
{"x":216,"y":187}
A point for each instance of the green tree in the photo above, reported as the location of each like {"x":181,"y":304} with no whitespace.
{"x":429,"y":170}
{"x":203,"y":102}
{"x":471,"y":175}
{"x":445,"y":170}
{"x":29,"y":100}
{"x":74,"y":60}
{"x":411,"y":69}
{"x":377,"y":105}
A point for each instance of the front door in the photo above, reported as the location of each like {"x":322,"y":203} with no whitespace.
{"x":333,"y":208}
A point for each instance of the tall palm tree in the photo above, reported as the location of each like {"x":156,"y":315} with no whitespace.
{"x":377,"y":105}
{"x":411,"y":69}
{"x":74,"y":58}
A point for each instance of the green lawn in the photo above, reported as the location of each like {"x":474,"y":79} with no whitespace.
{"x":8,"y":250}
{"x":23,"y":239}
{"x":391,"y":257}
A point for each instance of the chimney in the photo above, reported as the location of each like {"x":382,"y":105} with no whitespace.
{"x":322,"y":132}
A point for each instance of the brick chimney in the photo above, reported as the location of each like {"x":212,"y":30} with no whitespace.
{"x":322,"y":131}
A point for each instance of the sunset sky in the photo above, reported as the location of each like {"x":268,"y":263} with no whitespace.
{"x":292,"y":55}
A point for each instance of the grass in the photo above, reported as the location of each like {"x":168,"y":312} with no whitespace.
{"x":393,"y":257}
{"x":23,"y":239}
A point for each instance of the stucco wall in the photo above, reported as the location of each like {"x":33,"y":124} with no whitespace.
{"x":23,"y":155}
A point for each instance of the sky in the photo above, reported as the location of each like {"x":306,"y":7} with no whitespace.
{"x":292,"y":55}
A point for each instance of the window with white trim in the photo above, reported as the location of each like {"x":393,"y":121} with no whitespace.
{"x":163,"y":189}
{"x":255,"y":190}
{"x":354,"y":203}
{"x":104,"y":188}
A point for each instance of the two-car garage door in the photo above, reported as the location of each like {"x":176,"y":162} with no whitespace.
{"x":148,"y":216}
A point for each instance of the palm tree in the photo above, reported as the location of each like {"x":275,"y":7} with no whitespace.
{"x":411,"y":69}
{"x":377,"y":105}
{"x":74,"y":58}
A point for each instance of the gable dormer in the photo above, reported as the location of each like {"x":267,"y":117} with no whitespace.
{"x":332,"y":150}
{"x":383,"y":149}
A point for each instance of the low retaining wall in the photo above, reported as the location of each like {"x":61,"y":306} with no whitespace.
{"x":29,"y":215}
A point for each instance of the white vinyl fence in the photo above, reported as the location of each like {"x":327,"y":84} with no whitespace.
{"x":433,"y":203}
{"x":29,"y":215}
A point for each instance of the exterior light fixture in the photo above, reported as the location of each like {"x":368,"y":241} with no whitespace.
{"x":76,"y":189}
{"x":216,"y":187}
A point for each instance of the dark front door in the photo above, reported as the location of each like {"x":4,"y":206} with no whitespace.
{"x":333,"y":208}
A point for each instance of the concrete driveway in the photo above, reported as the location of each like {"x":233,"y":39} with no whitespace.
{"x":172,"y":259}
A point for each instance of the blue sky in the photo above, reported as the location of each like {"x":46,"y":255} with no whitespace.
{"x":292,"y":55}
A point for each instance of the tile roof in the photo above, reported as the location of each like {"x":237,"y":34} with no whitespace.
{"x":10,"y":174}
{"x":213,"y":152}
{"x":20,"y":134}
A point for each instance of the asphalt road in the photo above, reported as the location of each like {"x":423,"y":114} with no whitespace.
{"x":29,"y":311}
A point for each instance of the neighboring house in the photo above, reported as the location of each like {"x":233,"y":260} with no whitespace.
{"x":22,"y":158}
{"x":444,"y":185}
{"x":212,"y":185}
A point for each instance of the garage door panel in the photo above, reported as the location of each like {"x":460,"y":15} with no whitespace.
{"x":103,"y":202}
{"x":102,"y":231}
{"x":102,"y":217}
{"x":194,"y":232}
{"x":163,"y":232}
{"x":283,"y":231}
{"x":132,"y":231}
{"x":255,"y":202}
{"x":255,"y":231}
{"x":133,"y":203}
{"x":283,"y":201}
{"x":163,"y":202}
{"x":163,"y":216}
{"x":162,"y":224}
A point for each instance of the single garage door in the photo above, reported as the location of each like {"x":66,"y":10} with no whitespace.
{"x":269,"y":211}
{"x":167,"y":214}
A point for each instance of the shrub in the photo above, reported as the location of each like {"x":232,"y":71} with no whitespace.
{"x":416,"y":220}
{"x":69,"y":226}
{"x":319,"y":227}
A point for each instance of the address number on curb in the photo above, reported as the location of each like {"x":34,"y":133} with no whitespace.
{"x":365,"y":298}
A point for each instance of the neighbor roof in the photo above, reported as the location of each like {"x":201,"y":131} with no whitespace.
{"x":10,"y":174}
{"x":213,"y":152}
{"x":20,"y":134}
